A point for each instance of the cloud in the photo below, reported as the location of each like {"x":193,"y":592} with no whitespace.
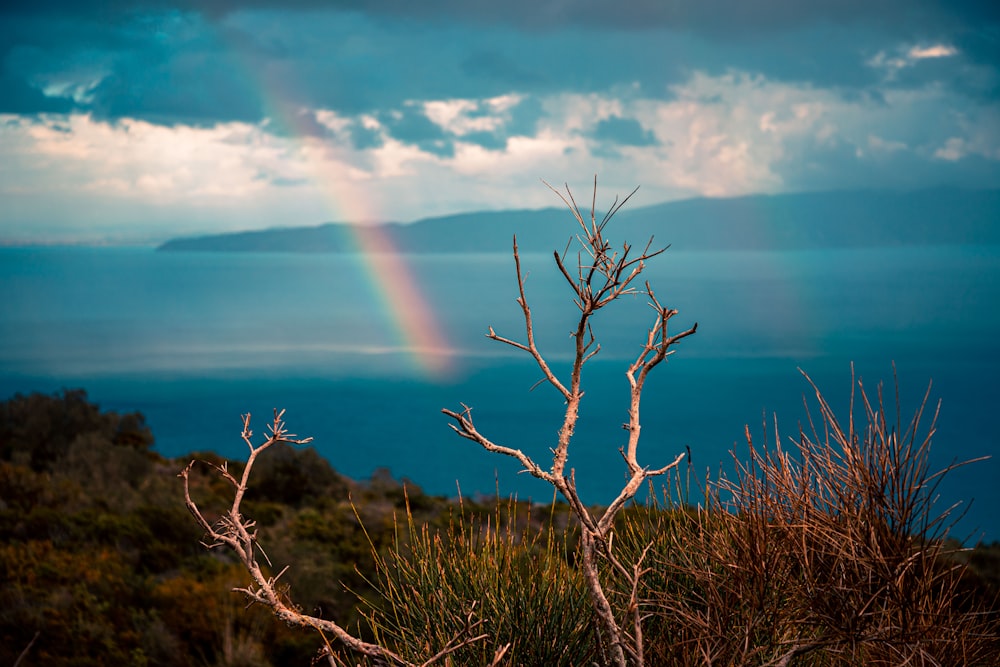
{"x":878,"y":144}
{"x":256,"y":110}
{"x":954,"y":149}
{"x":623,"y":132}
{"x":19,"y":97}
{"x":197,"y":62}
{"x":411,"y":125}
{"x":908,"y":56}
{"x":502,"y":69}
{"x":934,"y":51}
{"x":487,"y":123}
{"x":723,"y":135}
{"x":364,"y":137}
{"x":977,"y":135}
{"x":710,"y":16}
{"x":164,"y":67}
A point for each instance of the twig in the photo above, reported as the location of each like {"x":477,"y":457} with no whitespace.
{"x":27,"y":648}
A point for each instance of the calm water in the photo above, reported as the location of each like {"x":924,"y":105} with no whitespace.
{"x":194,"y":340}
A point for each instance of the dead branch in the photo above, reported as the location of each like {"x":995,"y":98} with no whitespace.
{"x":602,"y":276}
{"x":24,"y":653}
{"x":239,"y":534}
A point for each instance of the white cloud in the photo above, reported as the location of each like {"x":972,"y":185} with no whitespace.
{"x":907,"y":56}
{"x":883,"y":61}
{"x":980,"y":145}
{"x":394,"y":159}
{"x":954,"y":149}
{"x":933,"y":51}
{"x":452,"y":115}
{"x":465,"y":116}
{"x":877,"y":143}
{"x":79,"y":92}
{"x":543,"y":151}
{"x":139,"y":159}
{"x":332,"y":120}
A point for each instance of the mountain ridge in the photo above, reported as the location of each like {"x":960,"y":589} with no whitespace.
{"x":828,"y":219}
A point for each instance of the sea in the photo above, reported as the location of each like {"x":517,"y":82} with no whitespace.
{"x":195,"y":340}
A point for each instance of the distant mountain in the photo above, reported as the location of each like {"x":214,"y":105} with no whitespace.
{"x":778,"y":222}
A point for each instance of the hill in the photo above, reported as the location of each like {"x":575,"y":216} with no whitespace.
{"x":777,"y":222}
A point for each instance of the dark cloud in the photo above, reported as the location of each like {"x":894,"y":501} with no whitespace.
{"x":524,"y":117}
{"x":412,"y":126}
{"x":704,"y":16}
{"x":165,"y":68}
{"x":363,"y":138}
{"x":17,"y":97}
{"x":203,"y":61}
{"x":623,"y":132}
{"x":303,"y":123}
{"x":188,"y":88}
{"x":610,"y":134}
{"x":503,"y":69}
{"x":491,"y":141}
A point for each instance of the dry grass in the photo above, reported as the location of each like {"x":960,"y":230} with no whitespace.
{"x":829,"y":552}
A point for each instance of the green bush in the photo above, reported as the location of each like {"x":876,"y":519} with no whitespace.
{"x":511,"y":579}
{"x":296,"y":477}
{"x":39,"y":430}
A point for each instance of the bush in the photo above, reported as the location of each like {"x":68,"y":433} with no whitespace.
{"x":513,"y":581}
{"x":296,"y":476}
{"x":832,"y":552}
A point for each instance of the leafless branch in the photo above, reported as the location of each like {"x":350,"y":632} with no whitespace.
{"x":239,"y":533}
{"x":602,"y":275}
{"x":27,"y":648}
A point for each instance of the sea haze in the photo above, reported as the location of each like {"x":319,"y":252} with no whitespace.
{"x":195,"y":339}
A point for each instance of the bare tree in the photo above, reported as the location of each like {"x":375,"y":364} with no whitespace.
{"x":602,"y":275}
{"x":239,"y":533}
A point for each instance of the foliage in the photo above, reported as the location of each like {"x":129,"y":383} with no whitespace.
{"x":512,"y":574}
{"x":297,"y":477}
{"x":42,"y":433}
{"x":100,"y":559}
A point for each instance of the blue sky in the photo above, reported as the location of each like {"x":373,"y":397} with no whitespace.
{"x":138,"y":120}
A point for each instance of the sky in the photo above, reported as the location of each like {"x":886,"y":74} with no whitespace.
{"x":134,"y":121}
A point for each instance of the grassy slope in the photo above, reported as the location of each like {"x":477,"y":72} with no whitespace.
{"x":101,"y":564}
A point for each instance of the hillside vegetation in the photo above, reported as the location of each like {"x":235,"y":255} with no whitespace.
{"x":100,"y":560}
{"x":100,"y":564}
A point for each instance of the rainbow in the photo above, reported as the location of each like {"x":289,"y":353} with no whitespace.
{"x":407,"y":312}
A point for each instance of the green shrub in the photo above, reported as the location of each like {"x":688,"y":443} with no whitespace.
{"x":296,"y":477}
{"x":509,"y":576}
